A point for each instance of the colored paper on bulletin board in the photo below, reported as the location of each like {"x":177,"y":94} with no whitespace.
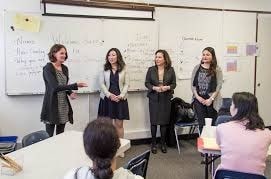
{"x":231,"y":65}
{"x":232,"y":49}
{"x":252,"y":49}
{"x":26,"y":22}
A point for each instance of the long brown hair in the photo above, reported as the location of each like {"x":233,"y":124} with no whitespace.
{"x":120,"y":62}
{"x":247,"y":109}
{"x":166,"y":57}
{"x":213,"y":65}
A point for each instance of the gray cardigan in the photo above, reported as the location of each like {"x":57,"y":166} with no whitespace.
{"x":219,"y":78}
{"x":124,"y":82}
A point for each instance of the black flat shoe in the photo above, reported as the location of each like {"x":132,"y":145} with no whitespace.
{"x":164,"y":148}
{"x":154,"y":149}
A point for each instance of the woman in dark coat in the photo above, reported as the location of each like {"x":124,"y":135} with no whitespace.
{"x":161,"y":82}
{"x":56,"y":108}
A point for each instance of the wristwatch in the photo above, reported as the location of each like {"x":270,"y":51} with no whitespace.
{"x":212,"y":98}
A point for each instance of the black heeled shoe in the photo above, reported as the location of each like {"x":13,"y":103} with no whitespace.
{"x":154,"y":148}
{"x":164,"y":148}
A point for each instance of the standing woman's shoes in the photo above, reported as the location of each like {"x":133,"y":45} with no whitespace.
{"x":164,"y":148}
{"x":154,"y":148}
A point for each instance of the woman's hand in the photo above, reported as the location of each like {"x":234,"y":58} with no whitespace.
{"x":81,"y":85}
{"x":165,"y":88}
{"x":119,"y":97}
{"x":207,"y":102}
{"x":113,"y":97}
{"x":200,"y":99}
{"x":157,"y":89}
{"x":73,"y":96}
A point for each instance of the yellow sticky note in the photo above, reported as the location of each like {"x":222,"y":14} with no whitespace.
{"x":27,"y":22}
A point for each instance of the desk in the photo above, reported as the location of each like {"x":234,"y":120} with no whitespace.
{"x":54,"y":157}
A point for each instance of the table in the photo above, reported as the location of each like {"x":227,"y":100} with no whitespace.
{"x":54,"y":157}
{"x":211,"y":150}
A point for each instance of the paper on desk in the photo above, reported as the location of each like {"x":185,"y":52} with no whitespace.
{"x":27,"y":22}
{"x":210,"y":143}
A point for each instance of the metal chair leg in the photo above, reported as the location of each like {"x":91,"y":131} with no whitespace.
{"x":177,"y":140}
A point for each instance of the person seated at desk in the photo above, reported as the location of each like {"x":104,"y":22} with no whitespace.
{"x":243,"y":140}
{"x":101,"y":143}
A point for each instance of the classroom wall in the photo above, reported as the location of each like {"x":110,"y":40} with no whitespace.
{"x":20,"y":115}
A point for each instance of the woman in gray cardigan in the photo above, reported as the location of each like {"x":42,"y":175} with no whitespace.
{"x":206,"y":83}
{"x":114,"y":84}
{"x":161,"y":82}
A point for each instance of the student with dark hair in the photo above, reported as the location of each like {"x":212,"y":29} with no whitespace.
{"x":206,"y":83}
{"x":161,"y":82}
{"x":243,"y":140}
{"x":101,"y":143}
{"x":56,"y":108}
{"x":114,"y":84}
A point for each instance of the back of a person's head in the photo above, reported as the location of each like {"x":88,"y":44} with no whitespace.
{"x":247,"y":109}
{"x":101,"y":143}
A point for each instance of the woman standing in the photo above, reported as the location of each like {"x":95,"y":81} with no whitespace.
{"x":161,"y":82}
{"x":206,"y":83}
{"x":243,"y":140}
{"x":56,"y":108}
{"x":114,"y":83}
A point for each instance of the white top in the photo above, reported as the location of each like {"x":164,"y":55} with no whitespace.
{"x":54,"y":157}
{"x":85,"y":173}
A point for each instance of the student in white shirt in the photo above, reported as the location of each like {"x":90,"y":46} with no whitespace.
{"x":101,"y":143}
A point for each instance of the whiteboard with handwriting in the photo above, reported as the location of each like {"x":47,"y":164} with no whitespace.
{"x":86,"y":40}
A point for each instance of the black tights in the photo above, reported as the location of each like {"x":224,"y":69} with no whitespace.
{"x":50,"y":128}
{"x":163,"y":130}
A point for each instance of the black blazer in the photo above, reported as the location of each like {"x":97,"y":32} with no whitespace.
{"x":49,"y":112}
{"x":152,"y":79}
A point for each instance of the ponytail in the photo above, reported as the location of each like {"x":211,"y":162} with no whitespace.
{"x":102,"y":170}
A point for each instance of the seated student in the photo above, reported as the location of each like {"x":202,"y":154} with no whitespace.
{"x":243,"y":140}
{"x":101,"y":143}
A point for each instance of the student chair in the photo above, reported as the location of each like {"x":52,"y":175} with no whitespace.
{"x":139,"y":164}
{"x":222,"y":119}
{"x":34,"y":138}
{"x":193,"y":125}
{"x":228,"y":174}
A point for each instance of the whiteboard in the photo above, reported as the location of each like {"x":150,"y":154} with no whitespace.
{"x":193,"y":30}
{"x":86,"y":40}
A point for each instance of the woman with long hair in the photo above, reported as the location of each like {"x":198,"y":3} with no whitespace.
{"x":101,"y":143}
{"x":243,"y":140}
{"x":114,"y":84}
{"x":206,"y":83}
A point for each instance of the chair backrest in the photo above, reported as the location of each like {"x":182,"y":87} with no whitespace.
{"x":222,"y":119}
{"x":225,"y":108}
{"x":139,"y":164}
{"x":34,"y":138}
{"x":227,"y":174}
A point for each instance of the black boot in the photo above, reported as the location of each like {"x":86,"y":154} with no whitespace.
{"x":163,"y":148}
{"x":154,"y":148}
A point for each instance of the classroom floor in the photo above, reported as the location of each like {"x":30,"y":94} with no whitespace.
{"x":174,"y":166}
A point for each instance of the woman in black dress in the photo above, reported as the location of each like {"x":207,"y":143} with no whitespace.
{"x":114,"y":83}
{"x":161,"y":82}
{"x":56,"y":108}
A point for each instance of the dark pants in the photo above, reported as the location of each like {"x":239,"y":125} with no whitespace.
{"x":163,"y":131}
{"x":202,"y":112}
{"x":50,"y":128}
